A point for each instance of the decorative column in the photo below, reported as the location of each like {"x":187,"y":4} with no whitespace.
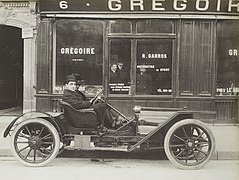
{"x":29,"y":69}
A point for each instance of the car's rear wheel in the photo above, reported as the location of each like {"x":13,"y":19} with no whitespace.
{"x":35,"y":142}
{"x":189,"y":144}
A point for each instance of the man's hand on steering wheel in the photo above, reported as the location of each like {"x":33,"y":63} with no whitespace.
{"x":96,"y":98}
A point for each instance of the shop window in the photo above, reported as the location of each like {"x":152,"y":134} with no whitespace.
{"x":155,"y":26}
{"x":119,"y":66}
{"x":120,"y":26}
{"x":228,"y":58}
{"x":79,"y":49}
{"x":154,"y":67}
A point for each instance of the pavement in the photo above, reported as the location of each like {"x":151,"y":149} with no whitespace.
{"x":117,"y":169}
{"x":226,"y":136}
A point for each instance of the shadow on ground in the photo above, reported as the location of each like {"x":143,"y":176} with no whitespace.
{"x":151,"y":155}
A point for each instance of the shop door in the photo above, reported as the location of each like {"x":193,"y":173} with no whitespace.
{"x":120,"y":74}
{"x":139,"y":69}
{"x":144,"y":48}
{"x":11,"y":67}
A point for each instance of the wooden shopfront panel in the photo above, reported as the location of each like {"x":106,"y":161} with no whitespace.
{"x":44,"y":59}
{"x":196,"y":75}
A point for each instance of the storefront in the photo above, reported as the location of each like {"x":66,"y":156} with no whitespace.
{"x":159,"y":53}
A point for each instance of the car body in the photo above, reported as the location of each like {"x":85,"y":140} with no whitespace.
{"x":37,"y":137}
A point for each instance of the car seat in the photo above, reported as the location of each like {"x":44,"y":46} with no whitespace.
{"x":83,"y":118}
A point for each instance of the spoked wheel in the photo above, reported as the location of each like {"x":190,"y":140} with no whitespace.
{"x":189,"y":144}
{"x":35,"y":142}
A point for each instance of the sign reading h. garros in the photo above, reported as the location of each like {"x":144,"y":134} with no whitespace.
{"x":149,"y":6}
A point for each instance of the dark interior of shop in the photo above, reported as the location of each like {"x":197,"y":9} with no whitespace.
{"x":11,"y":69}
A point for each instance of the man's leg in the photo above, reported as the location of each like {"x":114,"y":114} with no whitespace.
{"x":98,"y":110}
{"x":104,"y":116}
{"x":109,"y":118}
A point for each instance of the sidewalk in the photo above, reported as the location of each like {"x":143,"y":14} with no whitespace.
{"x":227,"y":141}
{"x":5,"y":142}
{"x":226,"y":136}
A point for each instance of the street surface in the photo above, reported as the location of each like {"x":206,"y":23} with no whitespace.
{"x":116,"y":169}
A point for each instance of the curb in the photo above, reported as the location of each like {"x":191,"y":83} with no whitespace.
{"x":5,"y":153}
{"x":219,"y":155}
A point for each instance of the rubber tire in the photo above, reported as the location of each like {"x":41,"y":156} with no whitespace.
{"x":174,"y":128}
{"x":50,"y":127}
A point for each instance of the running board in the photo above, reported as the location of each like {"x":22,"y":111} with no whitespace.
{"x":98,"y":149}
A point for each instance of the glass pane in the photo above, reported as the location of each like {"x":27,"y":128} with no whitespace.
{"x":120,"y":26}
{"x":120,"y":65}
{"x":79,"y":50}
{"x":154,"y":67}
{"x":228,"y":58}
{"x":155,"y":26}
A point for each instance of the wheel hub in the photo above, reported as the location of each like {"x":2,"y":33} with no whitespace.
{"x":190,"y":144}
{"x":34,"y":141}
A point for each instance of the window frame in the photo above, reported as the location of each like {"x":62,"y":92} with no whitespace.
{"x":54,"y":55}
{"x":134,"y":37}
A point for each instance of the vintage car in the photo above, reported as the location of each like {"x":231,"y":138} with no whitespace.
{"x":37,"y":137}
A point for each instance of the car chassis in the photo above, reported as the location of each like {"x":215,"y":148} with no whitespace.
{"x":37,"y":137}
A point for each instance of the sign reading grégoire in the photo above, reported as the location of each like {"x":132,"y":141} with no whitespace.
{"x":134,"y":6}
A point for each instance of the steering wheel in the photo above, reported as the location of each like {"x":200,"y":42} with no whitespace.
{"x":95,"y":99}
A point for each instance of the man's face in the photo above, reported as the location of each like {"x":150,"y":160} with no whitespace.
{"x":114,"y":67}
{"x":71,"y":85}
{"x":142,"y":70}
{"x":120,"y":65}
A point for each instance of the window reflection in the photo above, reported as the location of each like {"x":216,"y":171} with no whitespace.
{"x":155,"y":26}
{"x":154,"y":67}
{"x":120,"y":65}
{"x":120,"y":26}
{"x":143,"y":81}
{"x":228,"y":58}
{"x":79,"y":50}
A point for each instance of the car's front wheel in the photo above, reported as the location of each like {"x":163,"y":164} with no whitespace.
{"x":35,"y":142}
{"x":189,"y":144}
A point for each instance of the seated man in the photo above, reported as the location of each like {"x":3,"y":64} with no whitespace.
{"x":78,"y":100}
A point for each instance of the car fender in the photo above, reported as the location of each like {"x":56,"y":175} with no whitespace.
{"x":29,"y":115}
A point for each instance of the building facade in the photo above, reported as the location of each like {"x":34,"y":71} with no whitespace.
{"x":159,"y":53}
